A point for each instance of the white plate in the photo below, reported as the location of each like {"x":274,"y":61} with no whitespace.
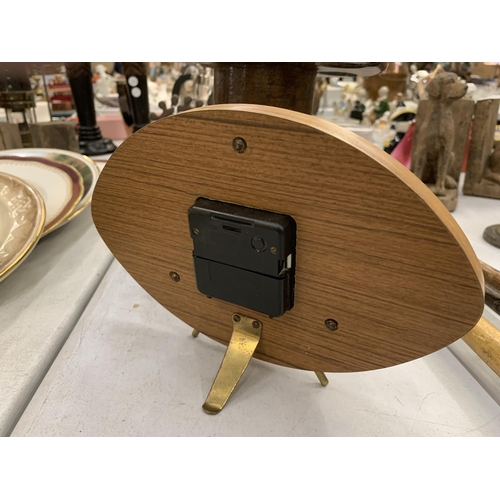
{"x":22,"y":219}
{"x":60,"y":185}
{"x":87,"y":168}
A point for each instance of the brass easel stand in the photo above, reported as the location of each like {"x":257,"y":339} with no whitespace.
{"x":244,"y":340}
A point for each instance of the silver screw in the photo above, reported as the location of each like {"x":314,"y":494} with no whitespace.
{"x":256,"y":324}
{"x":236,"y":318}
{"x":273,"y":250}
{"x":196,"y":231}
{"x":174,"y":276}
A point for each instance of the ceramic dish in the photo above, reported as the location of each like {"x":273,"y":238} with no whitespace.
{"x":60,"y":185}
{"x":22,"y":219}
{"x":83,"y":164}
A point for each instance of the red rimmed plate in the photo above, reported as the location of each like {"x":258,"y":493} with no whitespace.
{"x":60,"y":185}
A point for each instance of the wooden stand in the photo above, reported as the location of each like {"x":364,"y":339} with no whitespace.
{"x":244,"y":340}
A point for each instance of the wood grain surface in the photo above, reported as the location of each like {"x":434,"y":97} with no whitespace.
{"x":376,"y":250}
{"x":284,"y":85}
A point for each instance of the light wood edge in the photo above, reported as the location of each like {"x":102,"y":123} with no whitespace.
{"x":369,"y":149}
{"x":484,"y":340}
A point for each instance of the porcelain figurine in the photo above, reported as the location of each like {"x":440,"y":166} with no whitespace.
{"x":382,"y":130}
{"x":357,"y":112}
{"x":152,"y":93}
{"x":163,"y":94}
{"x":104,"y":83}
{"x":400,"y":120}
{"x":382,"y":104}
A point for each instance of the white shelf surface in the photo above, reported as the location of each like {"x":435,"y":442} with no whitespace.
{"x":130,"y":368}
{"x":40,"y":303}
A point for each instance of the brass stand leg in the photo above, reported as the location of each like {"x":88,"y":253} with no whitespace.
{"x":322,"y":378}
{"x":244,"y":341}
{"x":195,"y":333}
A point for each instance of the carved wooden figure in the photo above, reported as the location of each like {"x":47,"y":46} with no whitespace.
{"x":483,"y":163}
{"x":439,"y":131}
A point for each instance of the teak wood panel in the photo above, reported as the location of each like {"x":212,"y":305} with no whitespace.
{"x":376,"y":250}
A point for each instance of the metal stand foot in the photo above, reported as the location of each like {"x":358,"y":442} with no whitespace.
{"x":244,"y":340}
{"x":322,"y":378}
{"x":195,"y":333}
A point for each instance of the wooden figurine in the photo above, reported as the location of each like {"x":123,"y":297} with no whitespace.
{"x":440,"y":137}
{"x":492,"y":235}
{"x":493,"y":168}
{"x":482,"y":177}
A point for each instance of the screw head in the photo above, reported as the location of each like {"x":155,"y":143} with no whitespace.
{"x":174,"y":276}
{"x":255,"y":324}
{"x":331,"y":324}
{"x":239,"y":145}
{"x":196,"y":231}
{"x":236,"y":318}
{"x":273,"y":250}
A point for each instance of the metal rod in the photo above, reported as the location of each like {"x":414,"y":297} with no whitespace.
{"x":322,"y":378}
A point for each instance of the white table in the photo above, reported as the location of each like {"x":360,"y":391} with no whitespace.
{"x":130,"y":368}
{"x":40,"y":304}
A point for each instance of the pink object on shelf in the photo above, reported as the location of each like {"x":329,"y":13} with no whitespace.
{"x":402,"y":152}
{"x":113,"y":127}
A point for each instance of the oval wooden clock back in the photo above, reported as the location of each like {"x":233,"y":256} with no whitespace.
{"x":376,"y":252}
